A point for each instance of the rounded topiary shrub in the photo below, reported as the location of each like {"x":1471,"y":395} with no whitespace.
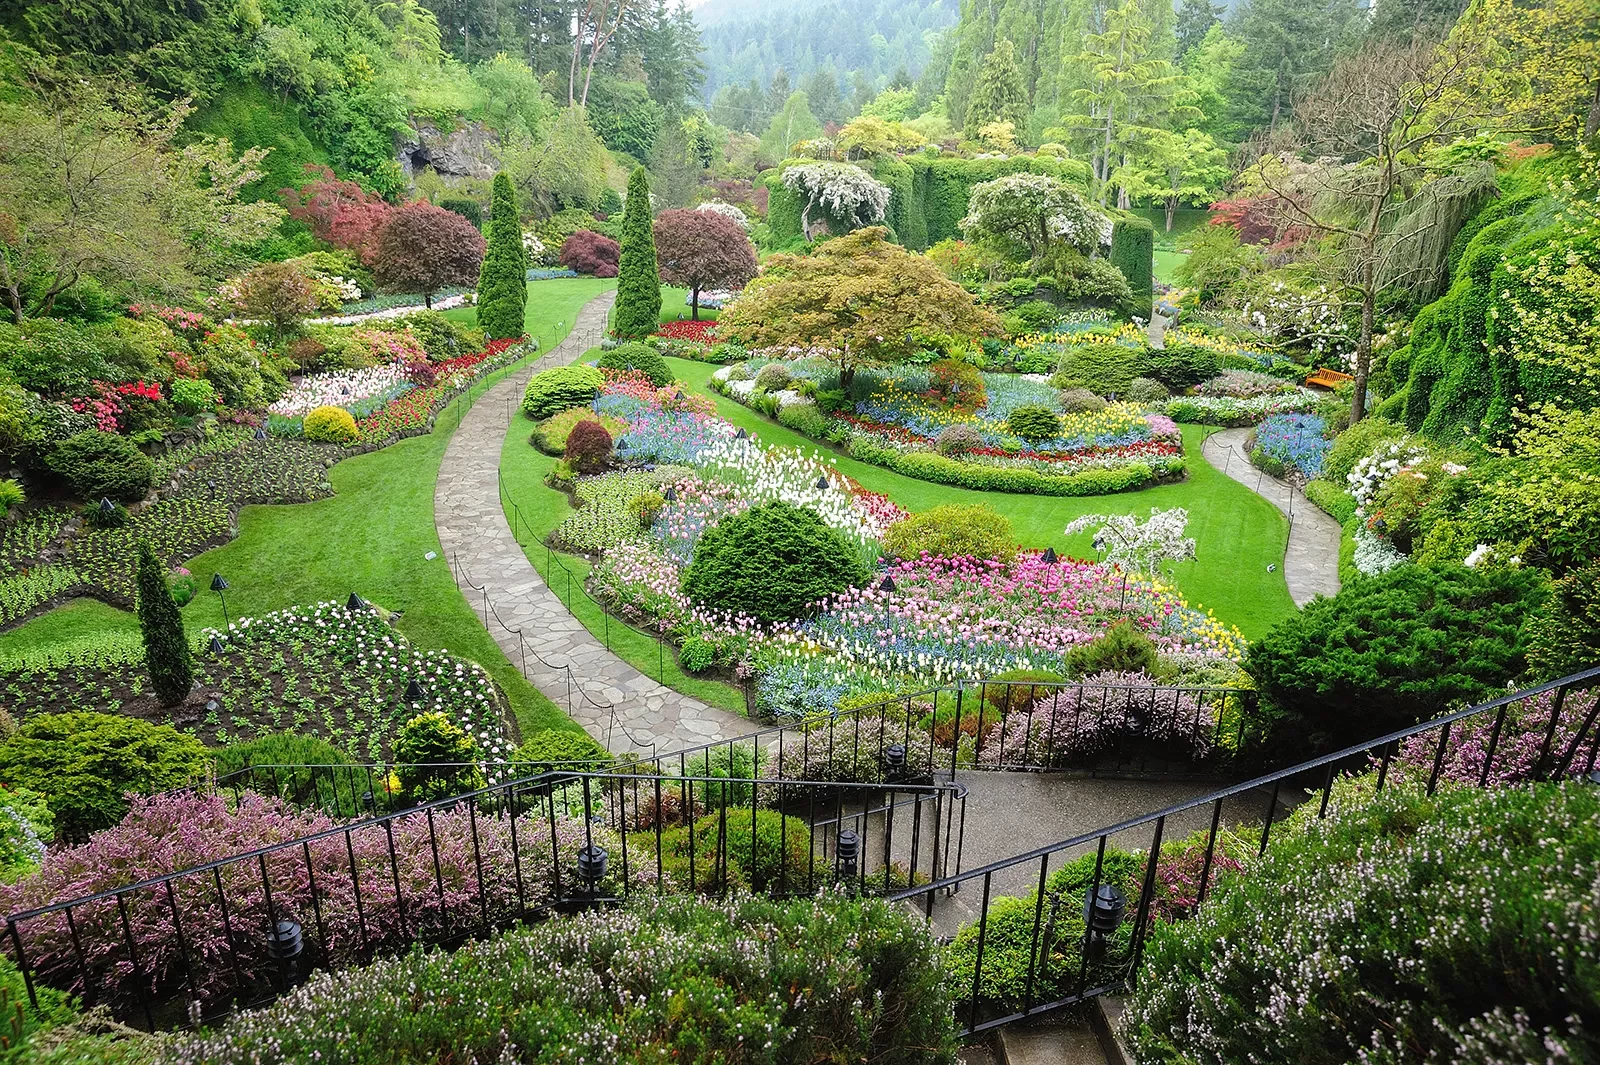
{"x":588,"y":447}
{"x":330,"y":425}
{"x":1032,"y":422}
{"x":952,"y":530}
{"x":99,"y":465}
{"x":1103,"y":367}
{"x":558,"y":389}
{"x":556,"y":746}
{"x":771,"y":563}
{"x":85,"y":763}
{"x":958,"y":439}
{"x":1120,"y":649}
{"x":1081,"y":401}
{"x":639,"y":358}
{"x":1146,"y":390}
{"x":766,"y":851}
{"x":773,"y":377}
{"x":1181,"y":366}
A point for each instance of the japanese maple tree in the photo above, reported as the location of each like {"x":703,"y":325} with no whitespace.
{"x":423,"y":248}
{"x":703,"y":250}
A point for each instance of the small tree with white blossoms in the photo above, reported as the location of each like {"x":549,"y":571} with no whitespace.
{"x":726,"y":210}
{"x":1140,"y":547}
{"x":845,"y":192}
{"x":1034,"y":211}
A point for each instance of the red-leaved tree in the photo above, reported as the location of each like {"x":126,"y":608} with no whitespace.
{"x":701,"y":250}
{"x":423,"y":248}
{"x":588,"y":252}
{"x":340,"y":212}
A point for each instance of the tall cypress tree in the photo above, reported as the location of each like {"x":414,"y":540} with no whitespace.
{"x":166,"y":649}
{"x":638,"y":311}
{"x":999,"y":95}
{"x":502,"y":281}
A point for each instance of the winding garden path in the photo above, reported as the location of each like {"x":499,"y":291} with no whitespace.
{"x":615,"y":703}
{"x":1311,"y":563}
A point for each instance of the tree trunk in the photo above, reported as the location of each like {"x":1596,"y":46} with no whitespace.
{"x":694,"y":304}
{"x":14,"y":298}
{"x":1172,"y":210}
{"x":847,"y":374}
{"x":1592,"y":126}
{"x":1369,"y":301}
{"x":427,"y":300}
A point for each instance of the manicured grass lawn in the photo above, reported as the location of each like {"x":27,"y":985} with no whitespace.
{"x":538,"y":511}
{"x":1166,"y":263}
{"x":371,"y":537}
{"x":1237,"y":533}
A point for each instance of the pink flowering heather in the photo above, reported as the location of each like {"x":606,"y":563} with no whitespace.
{"x":1516,"y":751}
{"x":170,"y":833}
{"x":1102,"y":713}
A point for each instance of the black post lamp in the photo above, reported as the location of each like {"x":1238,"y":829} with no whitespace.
{"x":1102,"y":912}
{"x":1049,"y":558}
{"x":108,"y":510}
{"x":261,"y":434}
{"x":894,"y":760}
{"x":215,"y":645}
{"x":592,"y":867}
{"x":285,"y":945}
{"x":741,"y":435}
{"x":848,"y":851}
{"x":822,"y":483}
{"x":355,"y":602}
{"x":670,"y":495}
{"x":219,"y":584}
{"x":887,"y":584}
{"x":414,"y":692}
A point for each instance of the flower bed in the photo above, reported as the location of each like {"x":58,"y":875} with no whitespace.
{"x":701,"y":332}
{"x":904,"y":420}
{"x":1233,"y":411}
{"x":1285,"y":443}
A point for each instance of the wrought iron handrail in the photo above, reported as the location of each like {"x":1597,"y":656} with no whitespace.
{"x":1584,"y":741}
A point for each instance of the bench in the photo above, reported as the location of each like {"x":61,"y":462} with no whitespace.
{"x":1325,"y":378}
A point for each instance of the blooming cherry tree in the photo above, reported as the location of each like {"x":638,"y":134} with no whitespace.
{"x":1141,"y":547}
{"x":1034,"y":211}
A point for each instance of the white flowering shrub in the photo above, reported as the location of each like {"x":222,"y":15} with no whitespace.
{"x":1311,"y":317}
{"x":1033,"y":210}
{"x":842,"y":191}
{"x":1140,"y":546}
{"x":726,"y":210}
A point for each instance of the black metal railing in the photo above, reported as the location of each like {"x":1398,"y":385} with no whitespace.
{"x":1077,"y":949}
{"x":199,"y":942}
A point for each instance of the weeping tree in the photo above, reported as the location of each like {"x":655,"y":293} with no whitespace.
{"x":841,"y":191}
{"x":1379,"y":116}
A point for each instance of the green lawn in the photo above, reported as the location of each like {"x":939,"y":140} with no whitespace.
{"x":371,"y":537}
{"x":1166,"y":264}
{"x":1237,"y":533}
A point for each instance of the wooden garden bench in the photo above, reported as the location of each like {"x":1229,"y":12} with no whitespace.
{"x":1325,"y":378}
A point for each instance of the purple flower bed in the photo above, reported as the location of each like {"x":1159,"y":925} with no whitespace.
{"x":1294,"y":440}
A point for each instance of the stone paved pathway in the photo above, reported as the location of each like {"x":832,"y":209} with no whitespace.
{"x":615,"y":703}
{"x":1311,"y":564}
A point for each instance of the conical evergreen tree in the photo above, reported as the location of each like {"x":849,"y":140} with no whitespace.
{"x":638,"y":310}
{"x":502,"y":281}
{"x":166,"y":649}
{"x":999,"y":95}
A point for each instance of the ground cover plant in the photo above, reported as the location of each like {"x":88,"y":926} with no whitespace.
{"x":321,"y":670}
{"x":1459,"y":916}
{"x":864,"y":978}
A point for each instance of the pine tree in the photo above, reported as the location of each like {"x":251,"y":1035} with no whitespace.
{"x":638,"y":310}
{"x":166,"y":649}
{"x":999,"y":95}
{"x":502,"y":283}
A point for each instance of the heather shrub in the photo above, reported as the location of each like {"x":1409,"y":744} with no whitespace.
{"x":771,"y":562}
{"x":637,"y":357}
{"x":952,"y":530}
{"x":588,"y":447}
{"x":590,"y":989}
{"x":330,"y":425}
{"x":99,"y":465}
{"x":958,"y":439}
{"x":173,"y":832}
{"x":559,"y":389}
{"x":849,"y":750}
{"x":86,"y":763}
{"x":1102,"y":712}
{"x":1456,"y":920}
{"x":1034,"y":423}
{"x":1517,"y":743}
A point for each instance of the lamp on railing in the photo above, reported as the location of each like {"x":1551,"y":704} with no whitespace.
{"x":1102,"y":912}
{"x":285,"y":945}
{"x":219,"y":584}
{"x":847,"y":848}
{"x":894,"y":760}
{"x":592,"y":867}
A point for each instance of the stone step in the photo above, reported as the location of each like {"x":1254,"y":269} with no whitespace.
{"x":1085,"y":1035}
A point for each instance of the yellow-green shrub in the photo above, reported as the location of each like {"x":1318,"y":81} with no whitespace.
{"x":330,"y":425}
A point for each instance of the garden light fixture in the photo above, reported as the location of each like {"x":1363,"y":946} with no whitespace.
{"x":414,"y":692}
{"x":894,"y":759}
{"x":848,"y":850}
{"x":887,"y":584}
{"x":284,"y":945}
{"x":592,"y":866}
{"x":1102,"y":912}
{"x":1049,"y":558}
{"x":741,"y":435}
{"x":108,"y":509}
{"x":219,"y":584}
{"x":215,"y":645}
{"x":670,"y":495}
{"x":822,"y":483}
{"x":261,"y":434}
{"x":355,"y":602}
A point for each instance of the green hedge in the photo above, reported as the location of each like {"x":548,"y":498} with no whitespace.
{"x":1133,"y":243}
{"x":750,"y":980}
{"x":1332,"y":499}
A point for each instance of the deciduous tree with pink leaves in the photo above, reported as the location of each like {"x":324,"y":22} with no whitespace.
{"x":703,"y":250}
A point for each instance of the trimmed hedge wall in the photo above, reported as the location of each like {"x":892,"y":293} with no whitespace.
{"x":1133,"y":245}
{"x":928,"y":196}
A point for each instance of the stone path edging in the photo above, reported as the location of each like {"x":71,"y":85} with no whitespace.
{"x":1311,"y":562}
{"x":615,"y":703}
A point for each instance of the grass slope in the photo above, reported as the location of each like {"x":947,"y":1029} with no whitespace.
{"x":371,"y":537}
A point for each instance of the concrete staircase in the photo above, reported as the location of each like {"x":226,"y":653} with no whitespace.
{"x":1084,"y":1036}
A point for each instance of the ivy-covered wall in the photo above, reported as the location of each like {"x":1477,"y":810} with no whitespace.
{"x":928,"y":196}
